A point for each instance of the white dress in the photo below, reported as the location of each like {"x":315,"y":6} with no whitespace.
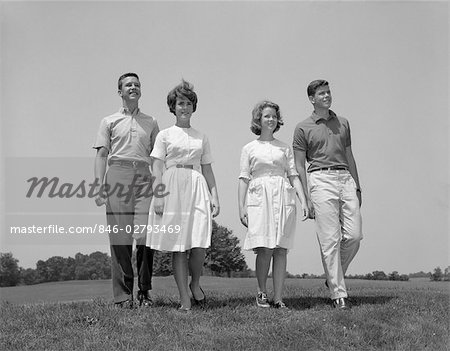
{"x":271,"y":200}
{"x":186,"y":221}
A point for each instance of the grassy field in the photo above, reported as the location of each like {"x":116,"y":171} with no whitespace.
{"x":80,"y":315}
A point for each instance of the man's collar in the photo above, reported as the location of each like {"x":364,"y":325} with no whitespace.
{"x":126,"y":111}
{"x":316,"y":118}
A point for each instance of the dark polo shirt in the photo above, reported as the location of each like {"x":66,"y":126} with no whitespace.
{"x":324,"y":141}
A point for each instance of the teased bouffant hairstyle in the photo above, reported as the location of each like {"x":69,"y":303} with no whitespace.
{"x":185,"y":90}
{"x":123,"y":76}
{"x":314,"y":85}
{"x":255,"y":126}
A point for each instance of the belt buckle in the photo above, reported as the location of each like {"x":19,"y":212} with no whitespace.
{"x":134,"y":163}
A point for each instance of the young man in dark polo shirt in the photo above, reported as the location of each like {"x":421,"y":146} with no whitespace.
{"x":124,"y":142}
{"x":334,"y":197}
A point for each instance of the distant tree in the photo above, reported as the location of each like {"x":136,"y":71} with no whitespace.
{"x":81,"y":270}
{"x":9,"y":270}
{"x":162,"y":263}
{"x":224,"y":255}
{"x":41,"y":272}
{"x":98,"y":265}
{"x":55,"y":266}
{"x":394,"y":276}
{"x":28,"y":276}
{"x":437,"y":275}
{"x":420,"y":274}
{"x":404,"y":277}
{"x":377,"y":275}
{"x":447,"y":273}
{"x":68,"y":270}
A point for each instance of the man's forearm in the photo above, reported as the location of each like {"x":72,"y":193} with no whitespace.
{"x":100,"y":169}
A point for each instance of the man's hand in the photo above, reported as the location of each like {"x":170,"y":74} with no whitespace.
{"x":100,"y":200}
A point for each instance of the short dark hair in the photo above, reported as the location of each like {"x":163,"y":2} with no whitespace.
{"x":182,"y":90}
{"x":314,"y":85}
{"x":123,"y":76}
{"x":255,"y":126}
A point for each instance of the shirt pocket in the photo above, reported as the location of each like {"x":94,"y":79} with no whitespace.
{"x":254,"y":195}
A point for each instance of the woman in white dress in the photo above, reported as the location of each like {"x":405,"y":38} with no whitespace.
{"x":180,"y":219}
{"x":268,"y":185}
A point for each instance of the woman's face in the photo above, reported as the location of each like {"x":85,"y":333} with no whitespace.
{"x":269,"y":119}
{"x":183,"y":108}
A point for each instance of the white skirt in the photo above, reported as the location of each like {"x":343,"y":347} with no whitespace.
{"x":271,"y":209}
{"x":186,"y":222}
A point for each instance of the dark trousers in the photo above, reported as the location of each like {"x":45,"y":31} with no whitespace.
{"x":129,"y":196}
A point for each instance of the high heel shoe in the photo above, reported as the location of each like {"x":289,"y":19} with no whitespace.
{"x":198,"y":302}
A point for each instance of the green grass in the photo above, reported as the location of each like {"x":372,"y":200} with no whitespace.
{"x":385,"y":316}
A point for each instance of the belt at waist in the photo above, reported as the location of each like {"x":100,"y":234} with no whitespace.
{"x":132,"y":164}
{"x":267,"y":174}
{"x":182,"y":166}
{"x":334,"y":168}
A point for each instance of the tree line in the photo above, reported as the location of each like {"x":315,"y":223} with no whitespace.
{"x":224,"y":258}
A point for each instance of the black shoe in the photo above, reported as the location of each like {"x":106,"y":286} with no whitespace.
{"x":280,"y":305}
{"x":198,"y":302}
{"x":127,"y":304}
{"x":340,"y":304}
{"x":144,"y":298}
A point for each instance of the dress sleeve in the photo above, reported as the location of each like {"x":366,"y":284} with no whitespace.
{"x":244,"y":164}
{"x":103,"y":138}
{"x":160,"y":147}
{"x":291,"y":169}
{"x":206,"y":152}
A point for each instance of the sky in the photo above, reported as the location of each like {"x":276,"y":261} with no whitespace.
{"x":387,"y":64}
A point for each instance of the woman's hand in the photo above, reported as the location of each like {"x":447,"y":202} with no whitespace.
{"x":215,"y":207}
{"x":158,"y":206}
{"x":305,"y":212}
{"x":243,"y":216}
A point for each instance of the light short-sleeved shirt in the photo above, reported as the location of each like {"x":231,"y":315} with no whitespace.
{"x":185,"y":146}
{"x":324,"y":141}
{"x":261,"y":158}
{"x":128,"y":137}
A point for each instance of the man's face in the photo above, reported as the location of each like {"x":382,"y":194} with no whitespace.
{"x":322,"y":97}
{"x":131,"y":89}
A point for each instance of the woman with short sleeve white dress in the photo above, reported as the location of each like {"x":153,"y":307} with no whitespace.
{"x":268,"y":185}
{"x":181,"y":211}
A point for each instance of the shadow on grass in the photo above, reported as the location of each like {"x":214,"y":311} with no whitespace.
{"x":296,"y":303}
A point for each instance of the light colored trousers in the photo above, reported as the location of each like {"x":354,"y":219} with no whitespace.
{"x":338,"y":224}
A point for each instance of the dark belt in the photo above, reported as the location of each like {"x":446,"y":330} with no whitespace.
{"x":185,"y":166}
{"x":335,"y":168}
{"x":132,"y":164}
